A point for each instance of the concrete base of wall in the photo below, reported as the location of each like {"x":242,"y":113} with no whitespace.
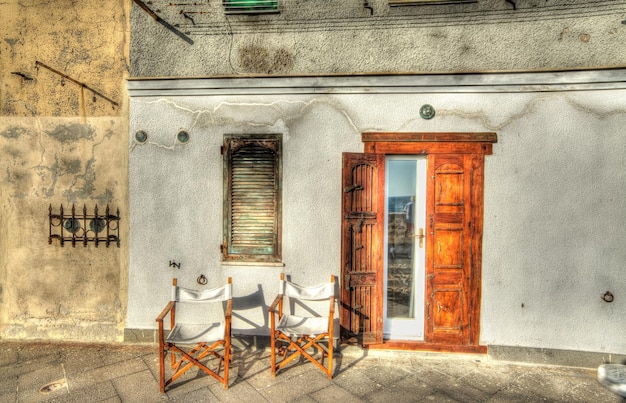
{"x":98,"y":333}
{"x":543,"y":356}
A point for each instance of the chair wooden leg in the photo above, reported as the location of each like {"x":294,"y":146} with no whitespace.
{"x":273,"y":353}
{"x":330,"y":357}
{"x":162,"y":369}
{"x":227,"y":354}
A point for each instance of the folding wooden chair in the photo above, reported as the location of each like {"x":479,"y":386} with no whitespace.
{"x":207,"y":334}
{"x":294,"y":335}
{"x":613,"y":377}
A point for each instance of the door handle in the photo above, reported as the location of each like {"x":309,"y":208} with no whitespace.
{"x":346,"y":283}
{"x":420,"y":235}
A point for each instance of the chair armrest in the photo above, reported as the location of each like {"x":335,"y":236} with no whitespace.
{"x":272,"y":307}
{"x":166,"y":310}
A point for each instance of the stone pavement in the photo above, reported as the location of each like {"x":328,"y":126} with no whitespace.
{"x":35,"y":372}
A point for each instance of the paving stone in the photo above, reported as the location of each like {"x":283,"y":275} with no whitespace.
{"x":240,"y":391}
{"x":30,"y":384}
{"x":8,"y":356}
{"x":107,"y":372}
{"x":8,"y":384}
{"x":102,"y":391}
{"x":192,"y":380}
{"x":28,"y":364}
{"x":291,"y":388}
{"x":83,"y":359}
{"x":201,"y":395}
{"x":8,"y":396}
{"x":418,"y":392}
{"x":356,"y":382}
{"x":134,"y":387}
{"x":540,"y":386}
{"x":387,"y":375}
{"x":333,"y":394}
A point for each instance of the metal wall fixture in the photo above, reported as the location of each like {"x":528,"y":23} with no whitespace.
{"x":182,"y":137}
{"x":427,"y":111}
{"x":202,"y":280}
{"x":608,"y":297}
{"x":141,"y":136}
{"x":84,"y":227}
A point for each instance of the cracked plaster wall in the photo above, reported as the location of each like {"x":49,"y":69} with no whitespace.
{"x":554,"y":201}
{"x":61,"y":143}
{"x":320,"y":37}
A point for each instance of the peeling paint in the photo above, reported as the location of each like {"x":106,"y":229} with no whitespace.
{"x":13,"y":132}
{"x":70,"y":166}
{"x":258,"y":59}
{"x":83,"y":185}
{"x":71,"y":133}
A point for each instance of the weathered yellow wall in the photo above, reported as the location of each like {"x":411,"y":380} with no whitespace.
{"x":61,"y":144}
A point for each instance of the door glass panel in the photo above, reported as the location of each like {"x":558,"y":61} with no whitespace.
{"x":400,"y":229}
{"x":405,"y":190}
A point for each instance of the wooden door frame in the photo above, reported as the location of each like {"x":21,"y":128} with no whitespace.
{"x":416,"y":143}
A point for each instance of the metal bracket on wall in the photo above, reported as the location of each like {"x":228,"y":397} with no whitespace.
{"x":83,"y":86}
{"x":84,"y":227}
{"x":163,"y":22}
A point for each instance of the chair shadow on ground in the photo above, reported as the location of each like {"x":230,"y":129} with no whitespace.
{"x":248,"y":348}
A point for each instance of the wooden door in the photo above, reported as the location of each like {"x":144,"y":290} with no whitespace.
{"x":448,"y":259}
{"x":362,"y":245}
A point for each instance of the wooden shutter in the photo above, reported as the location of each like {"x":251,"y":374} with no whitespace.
{"x":252,"y":171}
{"x":362,"y":238}
{"x":449,"y":265}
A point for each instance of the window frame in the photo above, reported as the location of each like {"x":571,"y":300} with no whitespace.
{"x":264,"y":250}
{"x":272,"y":7}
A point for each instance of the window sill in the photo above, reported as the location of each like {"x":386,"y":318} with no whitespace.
{"x":240,"y":263}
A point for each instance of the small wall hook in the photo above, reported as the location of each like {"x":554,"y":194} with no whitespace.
{"x":174,"y":264}
{"x":202,"y":280}
{"x":608,"y":297}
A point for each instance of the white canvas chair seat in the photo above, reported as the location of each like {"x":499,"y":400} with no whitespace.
{"x":293,"y":325}
{"x":189,"y":343}
{"x":184,"y":333}
{"x":296,"y":335}
{"x":613,"y":377}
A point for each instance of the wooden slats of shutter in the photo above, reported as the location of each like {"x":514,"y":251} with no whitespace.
{"x":253,"y":203}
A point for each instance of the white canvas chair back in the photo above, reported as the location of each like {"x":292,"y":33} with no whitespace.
{"x":199,"y":323}
{"x":219,"y":294}
{"x":315,"y":293}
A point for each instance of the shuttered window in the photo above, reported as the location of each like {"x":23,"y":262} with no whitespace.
{"x":250,"y":6}
{"x":252,"y":199}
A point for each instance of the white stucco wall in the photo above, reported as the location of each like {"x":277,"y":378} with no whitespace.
{"x":554,"y":189}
